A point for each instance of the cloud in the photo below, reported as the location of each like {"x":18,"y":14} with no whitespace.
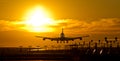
{"x":96,"y":26}
{"x":6,"y":25}
{"x":106,"y":25}
{"x":110,"y":25}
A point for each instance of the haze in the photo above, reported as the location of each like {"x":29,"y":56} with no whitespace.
{"x":98,"y":18}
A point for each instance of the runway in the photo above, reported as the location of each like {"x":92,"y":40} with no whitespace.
{"x":66,"y":54}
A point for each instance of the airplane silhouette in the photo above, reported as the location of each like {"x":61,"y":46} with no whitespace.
{"x":62,"y":38}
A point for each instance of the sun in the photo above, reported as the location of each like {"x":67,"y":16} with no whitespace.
{"x":38,"y":19}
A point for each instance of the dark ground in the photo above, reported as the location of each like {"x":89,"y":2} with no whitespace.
{"x":74,"y":54}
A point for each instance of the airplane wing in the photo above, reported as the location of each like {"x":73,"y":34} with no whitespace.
{"x":57,"y":38}
{"x":44,"y":38}
{"x":73,"y":38}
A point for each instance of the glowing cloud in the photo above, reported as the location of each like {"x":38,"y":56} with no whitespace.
{"x":111,"y":25}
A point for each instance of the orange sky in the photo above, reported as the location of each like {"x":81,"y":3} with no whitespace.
{"x":97,"y":18}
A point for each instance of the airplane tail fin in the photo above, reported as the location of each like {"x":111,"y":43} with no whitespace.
{"x":62,"y":30}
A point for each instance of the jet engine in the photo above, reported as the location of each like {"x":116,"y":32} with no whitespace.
{"x":43,"y":38}
{"x":80,"y":38}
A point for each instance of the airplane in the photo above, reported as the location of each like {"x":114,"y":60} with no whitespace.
{"x":62,"y":38}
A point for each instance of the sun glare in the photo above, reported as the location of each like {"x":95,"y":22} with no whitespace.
{"x":38,"y":20}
